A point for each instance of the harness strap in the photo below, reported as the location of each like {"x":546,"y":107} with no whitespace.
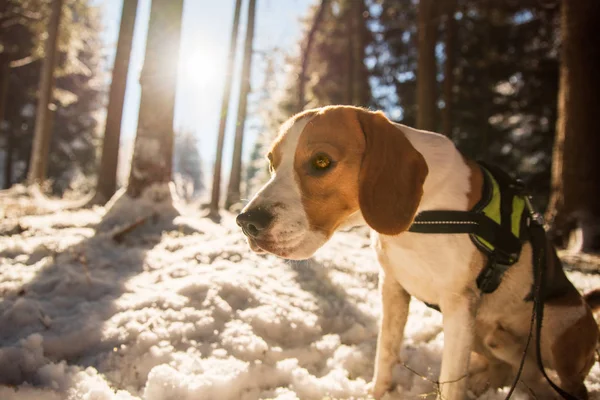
{"x":450,"y":221}
{"x":507,"y":248}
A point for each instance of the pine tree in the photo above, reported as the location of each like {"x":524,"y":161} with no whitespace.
{"x":426,"y":71}
{"x":107,"y":172}
{"x":256,"y":171}
{"x":216,"y":184}
{"x":78,"y":91}
{"x":8,"y":141}
{"x":306,"y":53}
{"x":576,"y":167}
{"x":337,"y":72}
{"x":449,"y":64}
{"x":327,"y":74}
{"x":235,"y":177}
{"x":153,"y":150}
{"x":43,"y":126}
{"x":505,"y":74}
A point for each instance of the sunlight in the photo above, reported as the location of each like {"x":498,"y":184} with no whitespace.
{"x":196,"y":68}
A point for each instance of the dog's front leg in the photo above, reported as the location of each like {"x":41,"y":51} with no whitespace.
{"x":394,"y":301}
{"x":459,"y":330}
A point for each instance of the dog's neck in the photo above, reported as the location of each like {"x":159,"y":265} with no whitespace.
{"x":447,"y":184}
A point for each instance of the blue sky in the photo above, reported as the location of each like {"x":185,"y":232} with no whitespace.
{"x":205,"y":40}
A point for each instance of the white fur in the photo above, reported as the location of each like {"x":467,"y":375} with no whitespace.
{"x":291,"y":233}
{"x":435,"y":268}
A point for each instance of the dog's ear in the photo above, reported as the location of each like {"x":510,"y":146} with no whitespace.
{"x":391,"y":176}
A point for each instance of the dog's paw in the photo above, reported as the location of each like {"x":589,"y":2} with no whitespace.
{"x":379,"y":387}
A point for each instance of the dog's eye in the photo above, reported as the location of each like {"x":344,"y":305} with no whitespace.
{"x":321,"y":162}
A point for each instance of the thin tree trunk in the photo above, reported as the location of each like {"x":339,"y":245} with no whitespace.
{"x":306,"y":54}
{"x":107,"y":173}
{"x":576,"y":164}
{"x":361,"y":82}
{"x":8,"y":149}
{"x":8,"y":158}
{"x":233,"y":193}
{"x":41,"y":140}
{"x":485,"y":136}
{"x":350,"y":47}
{"x":153,"y":151}
{"x":216,"y":186}
{"x":450,"y":49}
{"x":426,"y":69}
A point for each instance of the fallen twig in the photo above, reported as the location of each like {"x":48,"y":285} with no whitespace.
{"x":119,"y":235}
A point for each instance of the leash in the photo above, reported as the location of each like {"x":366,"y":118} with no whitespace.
{"x":494,"y":232}
{"x":538,"y":243}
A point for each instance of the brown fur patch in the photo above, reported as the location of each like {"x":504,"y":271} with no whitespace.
{"x":574,"y":356}
{"x":330,"y":196}
{"x":375,"y":168}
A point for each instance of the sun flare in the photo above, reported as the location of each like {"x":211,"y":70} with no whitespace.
{"x":197,"y":69}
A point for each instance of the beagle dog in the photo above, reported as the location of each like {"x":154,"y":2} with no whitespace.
{"x":341,"y":166}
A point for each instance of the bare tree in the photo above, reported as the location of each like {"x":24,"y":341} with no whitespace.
{"x":576,"y":164}
{"x":216,"y":186}
{"x":233,"y":192}
{"x":426,"y":69}
{"x":306,"y":54}
{"x":107,"y":172}
{"x":450,"y":49}
{"x":153,"y":150}
{"x":44,"y":112}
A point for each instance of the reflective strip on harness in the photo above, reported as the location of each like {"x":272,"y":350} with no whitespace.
{"x":494,"y":226}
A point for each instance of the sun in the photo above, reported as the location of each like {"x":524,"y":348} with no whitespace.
{"x":196,"y":68}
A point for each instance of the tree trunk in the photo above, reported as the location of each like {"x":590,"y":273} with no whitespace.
{"x":306,"y":54}
{"x":8,"y":148}
{"x":8,"y":158}
{"x":350,"y":47}
{"x":574,"y":205}
{"x":216,"y":186}
{"x":233,"y":193}
{"x":450,"y":49}
{"x":153,"y":151}
{"x":41,"y":140}
{"x":361,"y":83}
{"x":426,"y":68}
{"x":107,"y":173}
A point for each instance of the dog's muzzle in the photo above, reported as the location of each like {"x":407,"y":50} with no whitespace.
{"x":254,"y":222}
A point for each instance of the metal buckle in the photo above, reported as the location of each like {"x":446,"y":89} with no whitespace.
{"x":533,"y":214}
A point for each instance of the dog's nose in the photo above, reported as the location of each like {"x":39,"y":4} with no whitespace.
{"x":254,"y":221}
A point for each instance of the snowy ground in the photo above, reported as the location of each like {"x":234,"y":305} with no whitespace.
{"x":182,"y":310}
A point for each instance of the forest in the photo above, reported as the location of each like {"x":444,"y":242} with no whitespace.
{"x":123,"y":274}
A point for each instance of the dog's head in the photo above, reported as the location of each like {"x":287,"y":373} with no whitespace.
{"x":329,"y":166}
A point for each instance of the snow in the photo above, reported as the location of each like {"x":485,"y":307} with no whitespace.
{"x":180,"y":309}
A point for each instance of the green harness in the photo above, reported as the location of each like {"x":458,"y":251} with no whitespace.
{"x":498,"y":225}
